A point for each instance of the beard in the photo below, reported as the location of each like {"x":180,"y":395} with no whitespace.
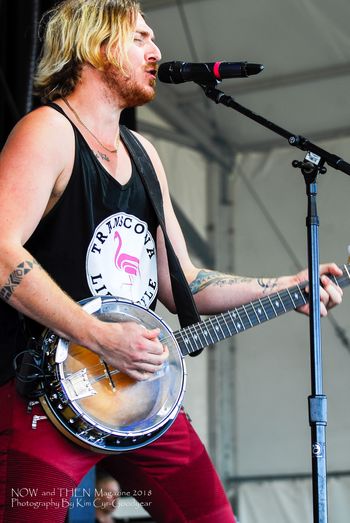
{"x":130,"y":92}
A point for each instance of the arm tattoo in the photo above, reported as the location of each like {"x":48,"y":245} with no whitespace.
{"x":205,"y":278}
{"x":16,"y":277}
{"x":267,"y":285}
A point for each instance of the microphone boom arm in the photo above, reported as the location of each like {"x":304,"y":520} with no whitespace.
{"x":294,"y":140}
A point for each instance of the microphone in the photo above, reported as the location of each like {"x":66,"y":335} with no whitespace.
{"x":179,"y":72}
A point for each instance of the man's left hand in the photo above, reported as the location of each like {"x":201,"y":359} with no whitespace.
{"x":330,"y":293}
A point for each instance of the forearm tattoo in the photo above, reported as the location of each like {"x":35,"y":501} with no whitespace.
{"x":16,"y":277}
{"x":267,"y":285}
{"x":205,"y":278}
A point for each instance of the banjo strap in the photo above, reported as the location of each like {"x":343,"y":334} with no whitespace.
{"x":185,"y":305}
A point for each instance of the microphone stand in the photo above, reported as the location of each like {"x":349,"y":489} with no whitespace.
{"x":311,"y":166}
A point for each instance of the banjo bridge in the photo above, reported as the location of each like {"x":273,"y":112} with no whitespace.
{"x":78,"y":385}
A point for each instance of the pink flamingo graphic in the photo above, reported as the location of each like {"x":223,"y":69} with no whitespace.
{"x":125,"y":262}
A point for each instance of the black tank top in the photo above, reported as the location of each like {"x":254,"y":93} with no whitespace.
{"x":99,"y":239}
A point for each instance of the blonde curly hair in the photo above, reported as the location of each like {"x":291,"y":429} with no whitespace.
{"x":74,"y":33}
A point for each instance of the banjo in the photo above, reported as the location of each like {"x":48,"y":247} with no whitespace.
{"x":100,"y":408}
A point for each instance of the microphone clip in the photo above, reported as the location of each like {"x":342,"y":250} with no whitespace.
{"x":214,"y":82}
{"x":311,"y":166}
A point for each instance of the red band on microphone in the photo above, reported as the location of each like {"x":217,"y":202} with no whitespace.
{"x":216,"y":70}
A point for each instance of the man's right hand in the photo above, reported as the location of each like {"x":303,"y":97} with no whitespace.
{"x":131,"y":348}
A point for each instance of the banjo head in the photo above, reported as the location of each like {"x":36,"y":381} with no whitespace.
{"x":101,"y":408}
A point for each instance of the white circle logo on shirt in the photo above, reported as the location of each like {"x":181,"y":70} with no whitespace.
{"x":121,"y":260}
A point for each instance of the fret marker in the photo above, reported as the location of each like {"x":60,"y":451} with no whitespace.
{"x":259,"y":311}
{"x":277,"y":303}
{"x":296,"y":295}
{"x":239,"y":326}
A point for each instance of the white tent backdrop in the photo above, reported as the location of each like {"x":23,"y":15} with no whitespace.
{"x":305,"y":47}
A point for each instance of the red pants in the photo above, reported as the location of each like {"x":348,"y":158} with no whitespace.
{"x":39,"y":469}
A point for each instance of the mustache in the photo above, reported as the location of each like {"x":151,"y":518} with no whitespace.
{"x":152,"y":67}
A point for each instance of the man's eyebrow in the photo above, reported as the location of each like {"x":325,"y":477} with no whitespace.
{"x":145,"y":32}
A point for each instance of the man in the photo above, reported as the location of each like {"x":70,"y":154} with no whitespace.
{"x":107,"y":493}
{"x":65,"y":177}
